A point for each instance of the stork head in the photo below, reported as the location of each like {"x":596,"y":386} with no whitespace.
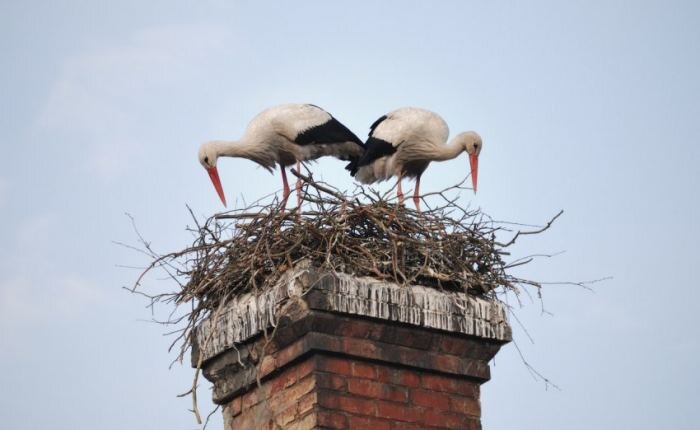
{"x":472,"y":144}
{"x":208,"y":155}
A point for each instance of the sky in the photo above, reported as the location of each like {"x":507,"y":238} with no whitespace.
{"x":590,"y":107}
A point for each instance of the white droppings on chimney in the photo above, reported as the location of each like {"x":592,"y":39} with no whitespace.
{"x":250,"y":314}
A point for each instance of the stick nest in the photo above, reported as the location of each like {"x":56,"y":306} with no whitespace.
{"x":364,"y":234}
{"x":374,"y":238}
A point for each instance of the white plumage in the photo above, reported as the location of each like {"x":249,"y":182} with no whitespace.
{"x":284,"y":135}
{"x":405,"y":141}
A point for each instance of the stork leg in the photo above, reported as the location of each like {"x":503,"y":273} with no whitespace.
{"x":416,"y":194}
{"x":298,"y":184}
{"x":285,"y":185}
{"x":399,"y":192}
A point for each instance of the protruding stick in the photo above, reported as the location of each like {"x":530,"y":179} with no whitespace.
{"x":298,"y":184}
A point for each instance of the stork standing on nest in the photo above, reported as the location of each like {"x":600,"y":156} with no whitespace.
{"x":285,"y":135}
{"x":402,"y":143}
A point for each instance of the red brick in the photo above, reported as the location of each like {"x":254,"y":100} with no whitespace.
{"x":267,"y":366}
{"x":397,"y":411}
{"x":442,"y":420}
{"x":356,"y":405}
{"x":307,"y":403}
{"x":307,"y":422}
{"x":328,"y":399}
{"x":362,"y":347}
{"x":364,"y":370}
{"x":463,"y":387}
{"x":286,"y":416}
{"x":302,"y":387}
{"x":306,"y":367}
{"x":331,"y":381}
{"x":289,"y":353}
{"x":397,"y":394}
{"x":447,"y":363}
{"x":407,"y":378}
{"x":418,"y":358}
{"x":285,"y":379}
{"x":253,"y":397}
{"x":368,"y":423}
{"x":411,"y":426}
{"x":430,"y":399}
{"x":383,"y":374}
{"x":376,"y":390}
{"x":234,"y":406}
{"x":251,"y":418}
{"x":467,"y":388}
{"x":357,"y":328}
{"x":439,"y":383}
{"x":332,"y":420}
{"x":335,"y":365}
{"x":283,"y":398}
{"x":472,"y":424}
{"x":365,"y":388}
{"x":452,"y":346}
{"x":465,"y":405}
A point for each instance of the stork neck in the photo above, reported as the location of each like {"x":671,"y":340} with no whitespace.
{"x":449,"y":151}
{"x":228,"y":148}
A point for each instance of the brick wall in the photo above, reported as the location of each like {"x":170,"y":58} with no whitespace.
{"x":349,"y":355}
{"x":286,"y":401}
{"x":339,"y":392}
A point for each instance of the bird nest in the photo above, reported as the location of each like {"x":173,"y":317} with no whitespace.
{"x":363,"y":234}
{"x":360,"y":237}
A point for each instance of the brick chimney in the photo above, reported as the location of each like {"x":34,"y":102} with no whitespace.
{"x":327,"y":350}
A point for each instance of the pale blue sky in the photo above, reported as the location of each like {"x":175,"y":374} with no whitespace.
{"x":589,"y":107}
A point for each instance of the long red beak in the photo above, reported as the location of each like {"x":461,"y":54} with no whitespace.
{"x":214,"y":175}
{"x":474,"y":164}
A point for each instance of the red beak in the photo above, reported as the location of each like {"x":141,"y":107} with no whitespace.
{"x":214,"y":175}
{"x":474,"y":164}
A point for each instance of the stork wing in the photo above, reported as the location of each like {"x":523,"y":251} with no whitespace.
{"x":331,"y":131}
{"x":384,"y":138}
{"x":375,"y":149}
{"x":375,"y":124}
{"x":309,"y":124}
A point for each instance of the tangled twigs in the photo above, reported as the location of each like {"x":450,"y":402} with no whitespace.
{"x":362,"y":233}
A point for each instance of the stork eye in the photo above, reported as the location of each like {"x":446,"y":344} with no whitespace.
{"x":206,"y":160}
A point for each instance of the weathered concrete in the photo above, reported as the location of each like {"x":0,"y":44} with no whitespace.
{"x":306,"y":290}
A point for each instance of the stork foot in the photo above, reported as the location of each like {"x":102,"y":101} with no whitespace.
{"x":416,"y":201}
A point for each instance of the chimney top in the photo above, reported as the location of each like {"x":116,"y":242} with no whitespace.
{"x":331,"y":350}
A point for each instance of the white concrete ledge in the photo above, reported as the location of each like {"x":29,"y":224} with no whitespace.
{"x":248,"y":315}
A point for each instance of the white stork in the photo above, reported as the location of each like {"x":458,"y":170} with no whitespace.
{"x":403,"y":143}
{"x":285,"y":135}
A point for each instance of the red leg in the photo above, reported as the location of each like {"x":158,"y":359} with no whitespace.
{"x":399,"y":192}
{"x":285,"y":189}
{"x":416,"y":194}
{"x":298,"y":184}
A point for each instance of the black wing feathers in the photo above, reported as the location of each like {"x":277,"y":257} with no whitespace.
{"x":332,"y":131}
{"x":375,"y":124}
{"x":374,"y":149}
